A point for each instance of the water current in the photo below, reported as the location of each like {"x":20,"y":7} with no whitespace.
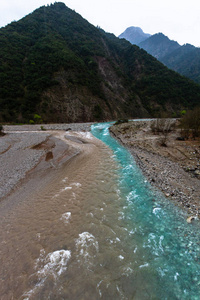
{"x":98,"y":231}
{"x":165,"y":249}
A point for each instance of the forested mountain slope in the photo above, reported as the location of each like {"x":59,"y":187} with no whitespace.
{"x":56,"y":64}
{"x":159,"y":45}
{"x":182,"y":59}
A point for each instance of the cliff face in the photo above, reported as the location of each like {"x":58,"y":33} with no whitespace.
{"x":54,"y":63}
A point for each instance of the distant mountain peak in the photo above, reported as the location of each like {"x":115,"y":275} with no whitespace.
{"x":134,"y":35}
{"x":159,"y":45}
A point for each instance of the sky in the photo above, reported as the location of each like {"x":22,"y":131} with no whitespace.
{"x":177,"y":19}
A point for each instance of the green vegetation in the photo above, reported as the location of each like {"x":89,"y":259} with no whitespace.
{"x":55,"y":63}
{"x":1,"y":130}
{"x":42,"y":128}
{"x":190,"y":124}
{"x":38,"y":119}
{"x":186,"y":61}
{"x":121,"y":122}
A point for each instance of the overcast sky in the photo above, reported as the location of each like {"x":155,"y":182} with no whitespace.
{"x":178,"y":19}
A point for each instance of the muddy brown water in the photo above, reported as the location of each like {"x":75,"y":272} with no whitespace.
{"x":62,"y":239}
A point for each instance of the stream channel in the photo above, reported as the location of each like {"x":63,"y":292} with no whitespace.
{"x":98,"y":230}
{"x":165,"y":249}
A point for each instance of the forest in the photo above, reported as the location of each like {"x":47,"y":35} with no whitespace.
{"x":56,"y":64}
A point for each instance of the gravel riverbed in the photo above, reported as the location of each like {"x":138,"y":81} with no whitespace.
{"x":24,"y":146}
{"x":173,"y":169}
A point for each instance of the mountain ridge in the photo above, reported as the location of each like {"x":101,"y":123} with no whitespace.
{"x":134,"y":35}
{"x":159,"y":45}
{"x":183,"y":59}
{"x":56,"y":64}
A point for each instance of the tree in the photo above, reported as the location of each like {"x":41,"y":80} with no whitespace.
{"x":163,"y":127}
{"x":190,"y":124}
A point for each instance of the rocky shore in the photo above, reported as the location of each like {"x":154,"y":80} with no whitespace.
{"x":25,"y":148}
{"x":173,"y":168}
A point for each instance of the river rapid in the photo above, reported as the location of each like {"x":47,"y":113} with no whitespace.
{"x":99,"y":231}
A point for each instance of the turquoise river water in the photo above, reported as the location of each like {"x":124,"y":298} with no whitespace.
{"x":169,"y":248}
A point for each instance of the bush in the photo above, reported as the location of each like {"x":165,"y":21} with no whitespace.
{"x":190,"y":124}
{"x":42,"y":128}
{"x":163,"y":127}
{"x":38,"y":119}
{"x":1,"y":130}
{"x":121,"y":121}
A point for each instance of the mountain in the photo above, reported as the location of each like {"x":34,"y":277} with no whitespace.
{"x":183,"y":59}
{"x":159,"y":45}
{"x":134,"y":35}
{"x":55,"y":64}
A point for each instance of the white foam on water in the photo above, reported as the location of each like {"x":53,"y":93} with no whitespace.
{"x":127,"y":271}
{"x":132,"y":232}
{"x":98,"y":285}
{"x":160,"y":243}
{"x":38,"y":235}
{"x":162,"y":272}
{"x":176,"y":276}
{"x":61,"y":191}
{"x":87,"y":246}
{"x":144,"y":266}
{"x":77,"y":184}
{"x":113,"y":231}
{"x":156,"y":211}
{"x":66,"y":188}
{"x":55,"y":263}
{"x":121,"y":215}
{"x":65,"y":179}
{"x":121,"y":257}
{"x":90,"y":214}
{"x":118,"y":193}
{"x":66,"y":217}
{"x":116,"y":240}
{"x":131,"y":196}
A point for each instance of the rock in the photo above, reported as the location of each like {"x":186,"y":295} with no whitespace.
{"x":197,"y":172}
{"x":191,"y":218}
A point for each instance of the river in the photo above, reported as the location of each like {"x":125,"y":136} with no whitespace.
{"x":99,"y":231}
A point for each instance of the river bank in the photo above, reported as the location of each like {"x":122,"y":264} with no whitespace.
{"x":48,"y":209}
{"x":27,"y":148}
{"x":173,"y":168}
